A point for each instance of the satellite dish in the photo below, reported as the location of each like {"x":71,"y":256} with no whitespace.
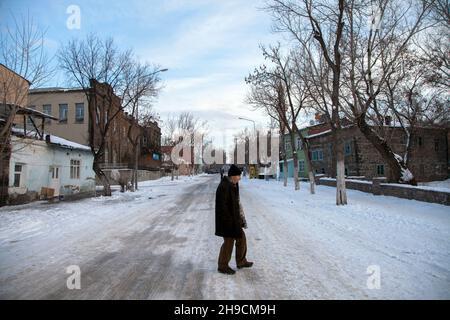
{"x":311,"y":122}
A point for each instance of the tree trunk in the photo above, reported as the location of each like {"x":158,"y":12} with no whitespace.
{"x":103,"y":178}
{"x":5,"y":156}
{"x":295,"y":159}
{"x":285,"y":168}
{"x":136,"y":166}
{"x":171,"y":173}
{"x":341,"y":192}
{"x":312,"y":182}
{"x":398,"y":171}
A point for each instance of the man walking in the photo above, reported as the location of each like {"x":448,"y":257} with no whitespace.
{"x":230,"y":221}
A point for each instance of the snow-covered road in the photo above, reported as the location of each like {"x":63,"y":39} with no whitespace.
{"x":159,"y":243}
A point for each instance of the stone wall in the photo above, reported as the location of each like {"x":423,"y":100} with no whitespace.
{"x":125,"y":174}
{"x":377,"y":187}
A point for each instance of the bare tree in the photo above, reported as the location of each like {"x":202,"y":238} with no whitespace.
{"x":411,"y":100}
{"x":372,"y":54}
{"x":186,"y":126}
{"x":22,"y":51}
{"x":323,"y":23}
{"x":169,"y":130}
{"x":434,"y":44}
{"x":282,"y":95}
{"x":143,"y":79}
{"x":108,"y":77}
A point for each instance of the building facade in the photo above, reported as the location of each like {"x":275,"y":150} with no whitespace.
{"x":71,"y":108}
{"x":13,"y":95}
{"x":428,"y":158}
{"x":303,"y":167}
{"x":55,"y":164}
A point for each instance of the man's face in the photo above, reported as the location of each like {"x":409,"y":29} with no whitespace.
{"x":235,"y":179}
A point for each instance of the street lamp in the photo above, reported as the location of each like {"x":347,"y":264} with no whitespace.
{"x":254,"y":125}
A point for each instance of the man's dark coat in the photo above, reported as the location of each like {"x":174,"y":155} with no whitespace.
{"x":228,"y":220}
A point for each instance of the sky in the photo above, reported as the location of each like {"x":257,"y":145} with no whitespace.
{"x":209,"y":47}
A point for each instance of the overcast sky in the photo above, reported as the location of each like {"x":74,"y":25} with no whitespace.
{"x":208,"y":46}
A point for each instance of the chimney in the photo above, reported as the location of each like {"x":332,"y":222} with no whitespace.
{"x":47,"y":138}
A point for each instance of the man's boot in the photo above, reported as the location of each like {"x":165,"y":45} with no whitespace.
{"x":247,"y":264}
{"x":226,"y":270}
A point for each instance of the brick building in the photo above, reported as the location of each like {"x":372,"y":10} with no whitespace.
{"x":150,"y":157}
{"x":428,"y":159}
{"x":74,"y":114}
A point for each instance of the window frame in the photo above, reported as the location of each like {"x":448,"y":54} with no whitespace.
{"x":77,"y":105}
{"x":381,"y":165}
{"x":301,"y":166}
{"x":75,"y":169}
{"x":348,"y":152}
{"x":67,"y":112}
{"x":18,"y":173}
{"x":47,"y":120}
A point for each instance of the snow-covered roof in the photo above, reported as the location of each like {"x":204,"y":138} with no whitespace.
{"x":30,"y":111}
{"x":67,"y":143}
{"x":55,"y":140}
{"x":53,"y":89}
{"x":319,"y":134}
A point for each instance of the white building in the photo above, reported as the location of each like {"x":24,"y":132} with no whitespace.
{"x":63,"y":166}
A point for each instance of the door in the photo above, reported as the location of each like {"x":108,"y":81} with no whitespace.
{"x":55,"y":180}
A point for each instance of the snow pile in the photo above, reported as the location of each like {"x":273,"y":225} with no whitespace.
{"x":440,"y":185}
{"x":406,"y":175}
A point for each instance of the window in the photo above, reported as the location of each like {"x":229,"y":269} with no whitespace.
{"x":299,"y":144}
{"x":419,"y":141}
{"x":17,"y":174}
{"x":287,"y":143}
{"x":436,"y":145}
{"x":301,"y":166}
{"x":47,"y":108}
{"x":317,"y":155}
{"x":55,"y":172}
{"x":79,"y":112}
{"x":281,"y":167}
{"x":63,"y":112}
{"x":74,"y":169}
{"x":380,"y":169}
{"x":348,"y":148}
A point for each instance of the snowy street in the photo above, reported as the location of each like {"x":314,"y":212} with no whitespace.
{"x":159,"y":243}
